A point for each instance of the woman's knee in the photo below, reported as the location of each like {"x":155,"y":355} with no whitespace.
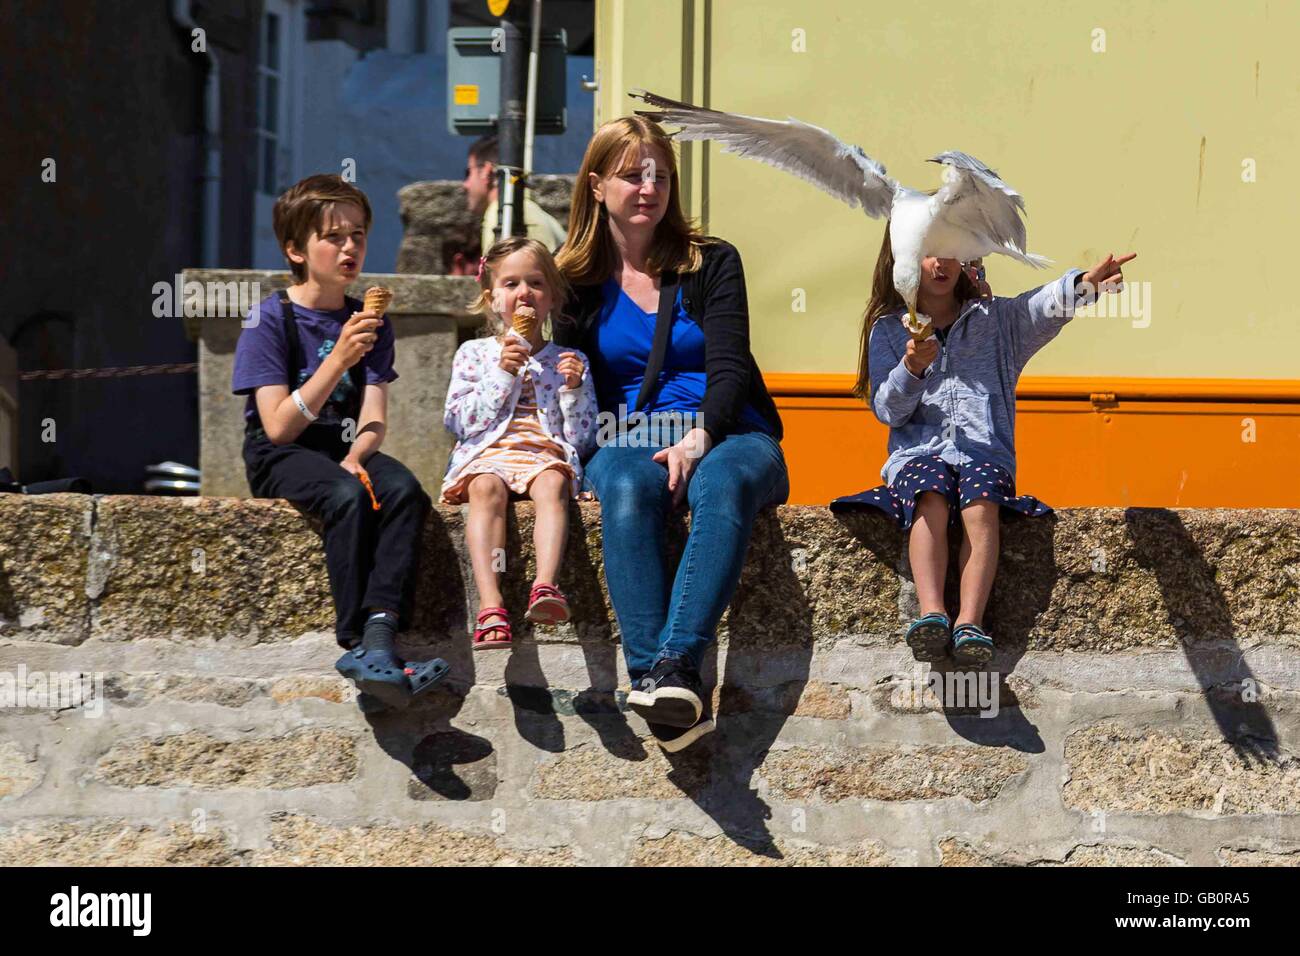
{"x":743,"y":489}
{"x":633,"y":480}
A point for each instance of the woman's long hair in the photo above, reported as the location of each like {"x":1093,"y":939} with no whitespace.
{"x":588,"y":256}
{"x":885,"y":300}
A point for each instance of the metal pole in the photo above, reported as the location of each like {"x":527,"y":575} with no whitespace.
{"x":530,"y":121}
{"x":510,"y":125}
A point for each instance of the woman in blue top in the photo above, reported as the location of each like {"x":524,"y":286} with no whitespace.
{"x":661,"y":313}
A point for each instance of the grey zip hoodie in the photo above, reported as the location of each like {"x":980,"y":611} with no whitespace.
{"x":964,"y":407}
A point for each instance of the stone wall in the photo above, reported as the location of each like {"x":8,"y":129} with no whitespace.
{"x":1150,"y":715}
{"x":109,"y":98}
{"x":430,"y":207}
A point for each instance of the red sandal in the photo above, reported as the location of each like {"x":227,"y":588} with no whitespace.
{"x":484,"y":634}
{"x":547,"y":605}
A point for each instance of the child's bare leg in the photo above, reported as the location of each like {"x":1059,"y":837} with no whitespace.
{"x":485,"y":536}
{"x":927,"y":549}
{"x":550,"y":494}
{"x":978,"y":559}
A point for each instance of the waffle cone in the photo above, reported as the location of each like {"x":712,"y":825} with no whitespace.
{"x":524,"y":320}
{"x":918,"y":336}
{"x":377,"y":299}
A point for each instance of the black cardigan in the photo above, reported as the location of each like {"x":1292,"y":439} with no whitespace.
{"x":714,"y":297}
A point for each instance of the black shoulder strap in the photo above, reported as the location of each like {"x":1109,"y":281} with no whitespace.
{"x":668,"y":284}
{"x":691,"y":291}
{"x":293,"y":344}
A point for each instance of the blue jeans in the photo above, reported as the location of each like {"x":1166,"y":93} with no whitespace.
{"x":742,"y":474}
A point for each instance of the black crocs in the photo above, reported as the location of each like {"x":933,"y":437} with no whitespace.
{"x":377,"y":673}
{"x":421,"y":675}
{"x":384,"y":681}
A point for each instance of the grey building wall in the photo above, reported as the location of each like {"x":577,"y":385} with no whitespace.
{"x":112,"y":93}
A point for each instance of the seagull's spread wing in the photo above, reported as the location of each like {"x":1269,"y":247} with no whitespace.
{"x":809,"y":152}
{"x":976,"y":201}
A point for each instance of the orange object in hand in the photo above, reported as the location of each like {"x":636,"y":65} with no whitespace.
{"x":365,"y":480}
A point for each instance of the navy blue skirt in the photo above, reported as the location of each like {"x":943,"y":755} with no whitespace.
{"x":962,"y":486}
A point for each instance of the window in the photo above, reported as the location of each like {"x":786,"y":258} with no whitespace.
{"x":269,"y":80}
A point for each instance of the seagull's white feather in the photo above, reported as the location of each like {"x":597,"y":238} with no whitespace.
{"x":976,"y":213}
{"x":973,"y":214}
{"x":807,"y":151}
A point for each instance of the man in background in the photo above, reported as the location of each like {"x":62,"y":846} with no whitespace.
{"x":481,"y":193}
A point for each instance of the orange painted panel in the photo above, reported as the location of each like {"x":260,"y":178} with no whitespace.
{"x":1171,"y":452}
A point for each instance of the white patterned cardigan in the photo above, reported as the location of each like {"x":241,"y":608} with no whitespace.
{"x":482,"y":396}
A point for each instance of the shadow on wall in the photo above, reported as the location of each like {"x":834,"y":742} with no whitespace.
{"x":717,"y":774}
{"x":448,"y":763}
{"x":766,"y":668}
{"x":1011,"y":615}
{"x":1202,"y":623}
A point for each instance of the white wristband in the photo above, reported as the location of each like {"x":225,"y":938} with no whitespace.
{"x":302,"y":406}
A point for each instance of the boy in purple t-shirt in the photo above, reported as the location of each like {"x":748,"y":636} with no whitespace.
{"x":316,"y":368}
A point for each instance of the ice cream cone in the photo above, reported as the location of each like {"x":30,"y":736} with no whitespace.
{"x":917,"y":325}
{"x":377,"y":299}
{"x":524,"y":321}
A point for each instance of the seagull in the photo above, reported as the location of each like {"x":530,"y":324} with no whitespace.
{"x":973,"y":214}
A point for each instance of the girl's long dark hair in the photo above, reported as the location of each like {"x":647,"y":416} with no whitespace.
{"x":885,"y":300}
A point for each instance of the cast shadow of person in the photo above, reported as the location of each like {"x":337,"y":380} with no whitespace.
{"x":538,"y":707}
{"x":769,"y":629}
{"x":445,"y":762}
{"x":1202,"y":622}
{"x":1022,"y":590}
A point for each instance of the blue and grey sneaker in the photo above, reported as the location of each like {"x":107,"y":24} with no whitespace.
{"x":669,"y":694}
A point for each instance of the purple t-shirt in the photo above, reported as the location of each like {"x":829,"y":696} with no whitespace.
{"x":261,"y":355}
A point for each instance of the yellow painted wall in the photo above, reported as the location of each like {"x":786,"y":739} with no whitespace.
{"x":1105,"y":146}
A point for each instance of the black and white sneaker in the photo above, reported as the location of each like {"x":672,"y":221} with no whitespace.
{"x":673,"y":739}
{"x":669,"y":694}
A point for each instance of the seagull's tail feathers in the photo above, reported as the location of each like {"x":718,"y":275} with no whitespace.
{"x":1028,"y":258}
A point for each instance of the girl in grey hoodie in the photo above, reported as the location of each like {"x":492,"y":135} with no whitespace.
{"x":949,"y":399}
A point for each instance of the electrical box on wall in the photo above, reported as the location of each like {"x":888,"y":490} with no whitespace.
{"x":474,"y":81}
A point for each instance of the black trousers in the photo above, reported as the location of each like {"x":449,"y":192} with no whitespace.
{"x":372,"y":556}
